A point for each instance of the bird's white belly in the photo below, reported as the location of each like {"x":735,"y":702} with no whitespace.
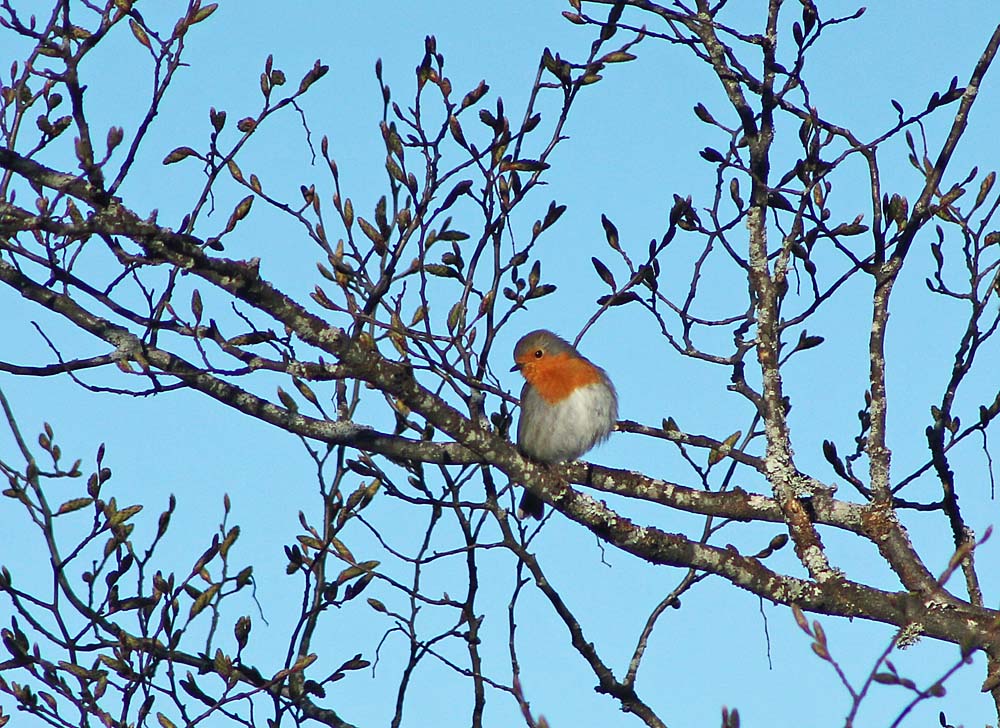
{"x":565,"y":430}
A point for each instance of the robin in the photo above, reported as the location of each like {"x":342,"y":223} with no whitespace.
{"x":568,"y":404}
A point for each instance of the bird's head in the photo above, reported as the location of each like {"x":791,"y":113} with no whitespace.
{"x":538,"y":346}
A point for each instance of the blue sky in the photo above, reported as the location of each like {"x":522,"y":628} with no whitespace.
{"x":633,"y":143}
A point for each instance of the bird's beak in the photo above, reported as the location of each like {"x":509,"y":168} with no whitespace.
{"x":516,"y":368}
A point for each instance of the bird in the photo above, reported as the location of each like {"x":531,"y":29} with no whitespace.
{"x":568,"y":404}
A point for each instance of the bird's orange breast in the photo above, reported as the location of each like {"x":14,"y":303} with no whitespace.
{"x":557,"y":376}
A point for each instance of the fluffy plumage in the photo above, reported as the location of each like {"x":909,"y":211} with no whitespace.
{"x":568,"y":404}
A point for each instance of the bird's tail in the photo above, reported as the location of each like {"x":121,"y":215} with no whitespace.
{"x":530,"y":506}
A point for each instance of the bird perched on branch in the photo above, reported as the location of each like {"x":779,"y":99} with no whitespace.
{"x":568,"y":404}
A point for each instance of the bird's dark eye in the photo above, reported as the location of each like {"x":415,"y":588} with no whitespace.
{"x":538,"y":353}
